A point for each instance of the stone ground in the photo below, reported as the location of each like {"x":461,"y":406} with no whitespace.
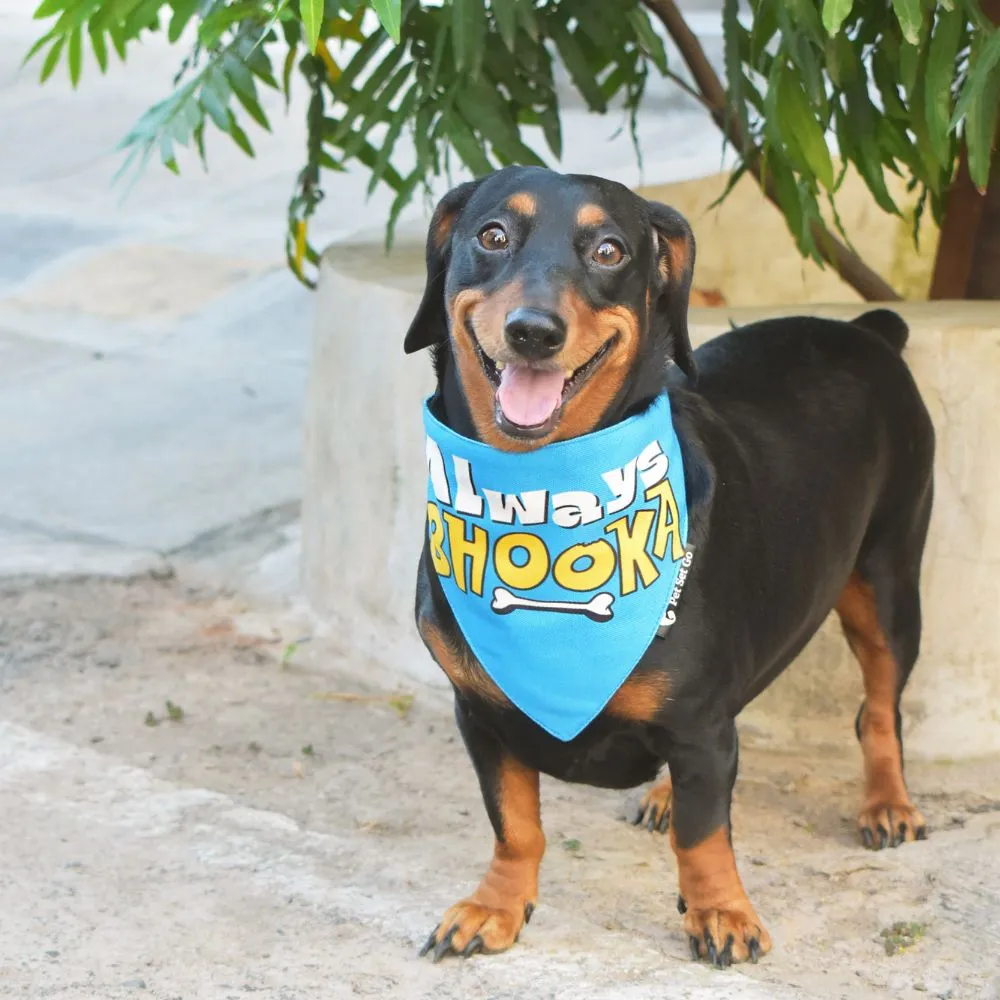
{"x":298,"y":830}
{"x":153,"y":357}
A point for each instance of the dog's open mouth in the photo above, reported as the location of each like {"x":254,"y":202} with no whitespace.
{"x":529,"y":399}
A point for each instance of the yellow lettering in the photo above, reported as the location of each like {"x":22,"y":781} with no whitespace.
{"x":475,"y":549}
{"x":435,"y":536}
{"x":532,"y":572}
{"x":632,"y":554}
{"x":665,"y":528}
{"x":601,"y":568}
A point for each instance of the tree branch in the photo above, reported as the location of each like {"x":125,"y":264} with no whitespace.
{"x":841,"y":258}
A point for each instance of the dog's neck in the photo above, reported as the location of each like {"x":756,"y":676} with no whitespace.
{"x":643,"y":384}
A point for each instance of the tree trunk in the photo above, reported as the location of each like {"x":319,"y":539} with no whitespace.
{"x":963,"y":212}
{"x":967,"y":264}
{"x":984,"y":272}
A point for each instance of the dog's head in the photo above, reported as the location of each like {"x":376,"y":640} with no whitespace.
{"x":560,"y":298}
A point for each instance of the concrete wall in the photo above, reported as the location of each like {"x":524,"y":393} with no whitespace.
{"x":363,"y":511}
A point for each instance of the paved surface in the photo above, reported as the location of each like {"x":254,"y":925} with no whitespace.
{"x":297,"y":833}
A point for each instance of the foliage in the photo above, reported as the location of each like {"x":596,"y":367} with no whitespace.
{"x":467,"y":81}
{"x":901,"y":85}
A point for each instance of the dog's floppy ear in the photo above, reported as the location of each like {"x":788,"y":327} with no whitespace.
{"x":430,"y":325}
{"x":673,"y":243}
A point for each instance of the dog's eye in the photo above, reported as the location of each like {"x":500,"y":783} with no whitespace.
{"x":609,"y":253}
{"x":493,"y":238}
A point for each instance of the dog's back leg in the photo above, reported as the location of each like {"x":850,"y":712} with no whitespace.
{"x":879,"y":610}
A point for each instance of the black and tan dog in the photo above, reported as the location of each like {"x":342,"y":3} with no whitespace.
{"x":808,"y":461}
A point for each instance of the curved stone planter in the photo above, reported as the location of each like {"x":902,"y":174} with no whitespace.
{"x":363,"y":509}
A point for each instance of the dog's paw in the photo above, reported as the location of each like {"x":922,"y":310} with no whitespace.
{"x":722,"y":937}
{"x":889,"y":824}
{"x":653,"y":811}
{"x":470,"y":927}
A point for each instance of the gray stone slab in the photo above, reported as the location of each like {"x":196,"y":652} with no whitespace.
{"x":27,"y":242}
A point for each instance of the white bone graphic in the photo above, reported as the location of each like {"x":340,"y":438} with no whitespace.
{"x":597,"y":609}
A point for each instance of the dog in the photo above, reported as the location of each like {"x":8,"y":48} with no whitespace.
{"x":556,"y":311}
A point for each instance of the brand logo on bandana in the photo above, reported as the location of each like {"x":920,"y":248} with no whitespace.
{"x":560,"y":564}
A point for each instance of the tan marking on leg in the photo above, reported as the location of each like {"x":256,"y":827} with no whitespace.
{"x":462,"y":670}
{"x":717,"y":903}
{"x":654,"y":806}
{"x":589,"y":216}
{"x":640,"y":698}
{"x":523,"y":203}
{"x":887,"y":802}
{"x":499,"y":908}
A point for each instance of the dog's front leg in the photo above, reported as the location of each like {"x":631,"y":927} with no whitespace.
{"x":492,"y":917}
{"x":719,"y":919}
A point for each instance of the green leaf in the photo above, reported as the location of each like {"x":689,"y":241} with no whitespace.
{"x":762,"y":30}
{"x":100,"y":47}
{"x":984,"y":59}
{"x":74,"y":55}
{"x":390,"y":16}
{"x":835,"y":12}
{"x":183,"y":12}
{"x":980,"y":130}
{"x":239,"y":136}
{"x":731,"y":31}
{"x":48,"y":8}
{"x":401,"y":117}
{"x":215,"y":105}
{"x":117,"y":34}
{"x":400,"y":202}
{"x":505,"y":15}
{"x":379,"y":112}
{"x":52,"y":58}
{"x":312,"y":21}
{"x":886,"y":77}
{"x":577,"y":67}
{"x":938,"y":77}
{"x":650,"y":41}
{"x":910,"y":18}
{"x":799,"y":128}
{"x":286,"y":74}
{"x":468,"y":27}
{"x":468,"y":147}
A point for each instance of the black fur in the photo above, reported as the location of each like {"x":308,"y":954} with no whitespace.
{"x":808,"y":455}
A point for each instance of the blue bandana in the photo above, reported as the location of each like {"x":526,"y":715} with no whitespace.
{"x":561,"y":564}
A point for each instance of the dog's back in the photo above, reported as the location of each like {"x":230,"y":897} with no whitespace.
{"x":837,"y":450}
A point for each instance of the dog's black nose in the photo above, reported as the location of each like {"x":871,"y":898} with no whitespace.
{"x":534,"y":334}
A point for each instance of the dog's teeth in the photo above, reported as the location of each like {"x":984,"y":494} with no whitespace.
{"x":500,"y":365}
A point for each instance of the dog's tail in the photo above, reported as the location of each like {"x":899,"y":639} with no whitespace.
{"x":888,"y":325}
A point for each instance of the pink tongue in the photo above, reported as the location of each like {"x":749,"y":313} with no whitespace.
{"x":528,"y":396}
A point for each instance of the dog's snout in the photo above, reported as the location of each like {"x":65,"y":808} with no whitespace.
{"x":534,"y":333}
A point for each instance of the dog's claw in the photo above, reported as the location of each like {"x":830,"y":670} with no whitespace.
{"x":710,"y":952}
{"x":651,"y":825}
{"x":664,"y":821}
{"x":431,"y":941}
{"x":529,"y":909}
{"x":726,"y":955}
{"x":867,"y":839}
{"x":682,"y":907}
{"x":921,"y":833}
{"x":444,"y":945}
{"x":695,"y":946}
{"x":753,"y":947}
{"x":473,"y":947}
{"x":883,"y":836}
